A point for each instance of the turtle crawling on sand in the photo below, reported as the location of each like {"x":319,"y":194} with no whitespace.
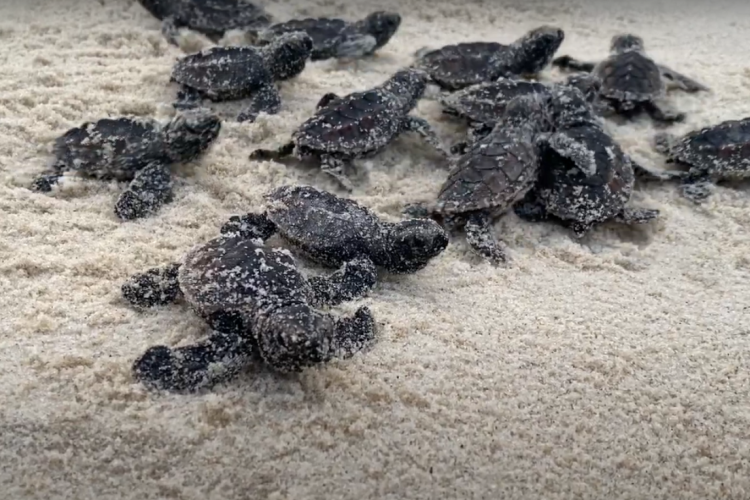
{"x":454,"y":67}
{"x":711,"y":154}
{"x":483,"y":104}
{"x":631,"y":81}
{"x":333,"y":231}
{"x":133,"y":149}
{"x":337,"y":38}
{"x":358,"y":125}
{"x":210,"y":17}
{"x":232,"y":73}
{"x":258,"y":305}
{"x":495,"y":172}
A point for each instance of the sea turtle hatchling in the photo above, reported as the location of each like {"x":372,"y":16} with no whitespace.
{"x":258,"y":305}
{"x":338,"y":38}
{"x":454,"y":67}
{"x":483,"y":104}
{"x":332,"y":231}
{"x":709,"y":155}
{"x":358,"y":125}
{"x":138,"y":150}
{"x":494,"y":173}
{"x":631,"y":81}
{"x":233,"y":73}
{"x":210,"y":17}
{"x":585,"y":179}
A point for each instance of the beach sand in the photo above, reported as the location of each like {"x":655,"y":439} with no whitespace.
{"x":611,"y":367}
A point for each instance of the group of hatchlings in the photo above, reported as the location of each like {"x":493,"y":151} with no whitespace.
{"x":540,"y":149}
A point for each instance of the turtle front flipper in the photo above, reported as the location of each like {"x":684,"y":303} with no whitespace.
{"x":187,"y":98}
{"x":681,"y":81}
{"x":630,"y":215}
{"x":478,"y":231}
{"x":148,"y":192}
{"x":661,"y":114}
{"x":697,"y":188}
{"x":574,"y":150}
{"x":335,"y":167}
{"x":571,"y":64}
{"x":202,"y":365}
{"x":171,"y":30}
{"x":157,"y":286}
{"x":250,"y":226}
{"x":264,"y":100}
{"x":425,"y":130}
{"x":329,"y":98}
{"x":44,"y":183}
{"x":353,"y":280}
{"x":355,"y":46}
{"x":273,"y":154}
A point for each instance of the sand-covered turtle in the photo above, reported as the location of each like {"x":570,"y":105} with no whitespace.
{"x":332,"y":231}
{"x":258,"y":304}
{"x":631,"y":81}
{"x":495,"y":172}
{"x":210,"y":17}
{"x":483,"y":104}
{"x":584,"y":179}
{"x":233,"y":73}
{"x":139,"y":150}
{"x":338,"y":38}
{"x":358,"y":125}
{"x":712,"y":154}
{"x":457,"y":66}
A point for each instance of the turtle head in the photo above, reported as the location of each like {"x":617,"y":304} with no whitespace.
{"x":287,"y":54}
{"x":570,"y":106}
{"x":190,"y":133}
{"x":408,"y":84}
{"x":535,"y":49}
{"x":294,"y":336}
{"x":412,"y":243}
{"x":382,"y":25}
{"x":626,"y":43}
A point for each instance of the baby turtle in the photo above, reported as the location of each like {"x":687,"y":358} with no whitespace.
{"x":232,"y":73}
{"x":337,"y":38}
{"x":709,"y":155}
{"x":631,"y":81}
{"x":132,"y":149}
{"x":454,"y":67}
{"x":358,"y":125}
{"x":210,"y":17}
{"x":585,"y":179}
{"x":333,"y":231}
{"x":494,"y":174}
{"x":483,"y":104}
{"x":258,"y":305}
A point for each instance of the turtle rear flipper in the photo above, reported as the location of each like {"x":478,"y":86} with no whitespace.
{"x":631,"y":215}
{"x":571,"y":64}
{"x":681,"y":81}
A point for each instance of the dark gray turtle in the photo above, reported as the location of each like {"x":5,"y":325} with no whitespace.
{"x":258,"y":305}
{"x":132,"y":149}
{"x":709,"y":155}
{"x":483,"y":104}
{"x":232,"y":73}
{"x":454,"y":67}
{"x":585,"y":179}
{"x":337,"y":38}
{"x":631,"y":81}
{"x":333,"y":231}
{"x":210,"y":17}
{"x":494,"y":173}
{"x":358,"y":125}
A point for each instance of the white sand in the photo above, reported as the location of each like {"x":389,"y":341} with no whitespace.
{"x":615,"y":367}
